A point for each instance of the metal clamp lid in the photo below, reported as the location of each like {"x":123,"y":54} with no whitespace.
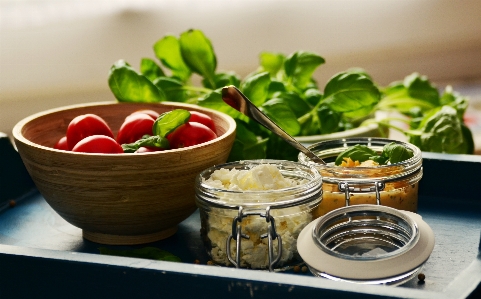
{"x":325,"y":243}
{"x":271,"y":235}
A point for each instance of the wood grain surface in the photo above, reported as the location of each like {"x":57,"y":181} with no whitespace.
{"x":138,"y":197}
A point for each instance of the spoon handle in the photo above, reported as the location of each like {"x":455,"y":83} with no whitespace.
{"x":230,"y":95}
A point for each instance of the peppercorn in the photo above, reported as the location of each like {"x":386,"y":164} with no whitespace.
{"x":12,"y":203}
{"x":421,"y":277}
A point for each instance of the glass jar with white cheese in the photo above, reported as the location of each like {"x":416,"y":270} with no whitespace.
{"x":258,"y":206}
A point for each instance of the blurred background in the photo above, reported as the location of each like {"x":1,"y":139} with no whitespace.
{"x":59,"y":52}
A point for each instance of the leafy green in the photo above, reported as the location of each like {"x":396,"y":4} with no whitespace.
{"x":167,"y":122}
{"x":300,"y":66}
{"x":256,"y":88}
{"x":283,"y":86}
{"x":357,"y":152}
{"x":441,"y":131}
{"x":391,"y":153}
{"x":271,"y":62}
{"x":280,"y":112}
{"x":149,"y":141}
{"x":351,"y":92}
{"x":395,"y":153}
{"x":172,"y":89}
{"x":151,"y":253}
{"x":150,"y":69}
{"x":167,"y":50}
{"x":129,"y":86}
{"x":198,"y":54}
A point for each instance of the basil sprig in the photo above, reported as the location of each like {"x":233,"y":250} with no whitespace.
{"x":391,"y":153}
{"x":165,"y":124}
{"x":283,"y":87}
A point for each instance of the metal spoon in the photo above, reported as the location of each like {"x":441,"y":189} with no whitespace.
{"x":237,"y":100}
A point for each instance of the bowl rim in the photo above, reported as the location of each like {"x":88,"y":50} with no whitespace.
{"x":19,"y":137}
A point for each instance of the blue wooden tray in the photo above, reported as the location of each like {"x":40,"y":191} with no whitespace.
{"x":42,"y":256}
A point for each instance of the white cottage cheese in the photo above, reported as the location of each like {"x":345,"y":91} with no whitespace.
{"x":254,"y":251}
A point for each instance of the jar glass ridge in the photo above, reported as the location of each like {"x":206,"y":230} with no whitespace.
{"x":400,"y":181}
{"x":291,"y":208}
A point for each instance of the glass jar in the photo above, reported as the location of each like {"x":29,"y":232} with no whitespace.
{"x":263,"y":224}
{"x":394,"y":185}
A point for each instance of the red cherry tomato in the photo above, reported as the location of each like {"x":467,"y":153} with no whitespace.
{"x":62,"y":144}
{"x":98,"y":144}
{"x":148,"y":149}
{"x":202,"y":118}
{"x":86,"y":125}
{"x":189,"y":134}
{"x":151,"y":113}
{"x":134,"y":127}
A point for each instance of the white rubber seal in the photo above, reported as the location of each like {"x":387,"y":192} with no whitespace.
{"x":376,"y":269}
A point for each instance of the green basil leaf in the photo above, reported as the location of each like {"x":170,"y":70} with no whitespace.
{"x":151,"y":253}
{"x":467,"y":147}
{"x":150,"y":69}
{"x":357,"y":152}
{"x":455,"y":100}
{"x":129,"y":86}
{"x":167,"y":122}
{"x":198,"y":54}
{"x":150,"y":141}
{"x":313,"y":96}
{"x":241,"y":151}
{"x":278,"y":148}
{"x":329,"y":120}
{"x":213,"y":100}
{"x":297,"y":104}
{"x":256,"y":88}
{"x":360,"y":71}
{"x":350,"y":92}
{"x":272,"y":62}
{"x":280,"y":112}
{"x":247,"y":145}
{"x":223,"y":79}
{"x":167,"y":50}
{"x":419,"y":87}
{"x":173,"y":89}
{"x":300,"y":66}
{"x":440,"y":131}
{"x":243,"y":134}
{"x":395,"y":153}
{"x":310,"y":124}
{"x":275,"y":89}
{"x":414,"y":92}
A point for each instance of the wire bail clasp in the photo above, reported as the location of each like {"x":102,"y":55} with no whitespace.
{"x":271,"y":235}
{"x":347,"y":188}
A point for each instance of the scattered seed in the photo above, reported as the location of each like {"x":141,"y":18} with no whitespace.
{"x":304,"y":269}
{"x":196,"y":262}
{"x":12,"y":203}
{"x":297,"y":269}
{"x":210,"y":263}
{"x":421,"y":277}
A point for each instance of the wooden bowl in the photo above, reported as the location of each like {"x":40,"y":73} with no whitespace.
{"x":118,"y":198}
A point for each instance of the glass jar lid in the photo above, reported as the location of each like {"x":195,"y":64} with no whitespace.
{"x":366,"y":244}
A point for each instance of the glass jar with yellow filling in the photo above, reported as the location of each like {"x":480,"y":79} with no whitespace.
{"x":394,"y":185}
